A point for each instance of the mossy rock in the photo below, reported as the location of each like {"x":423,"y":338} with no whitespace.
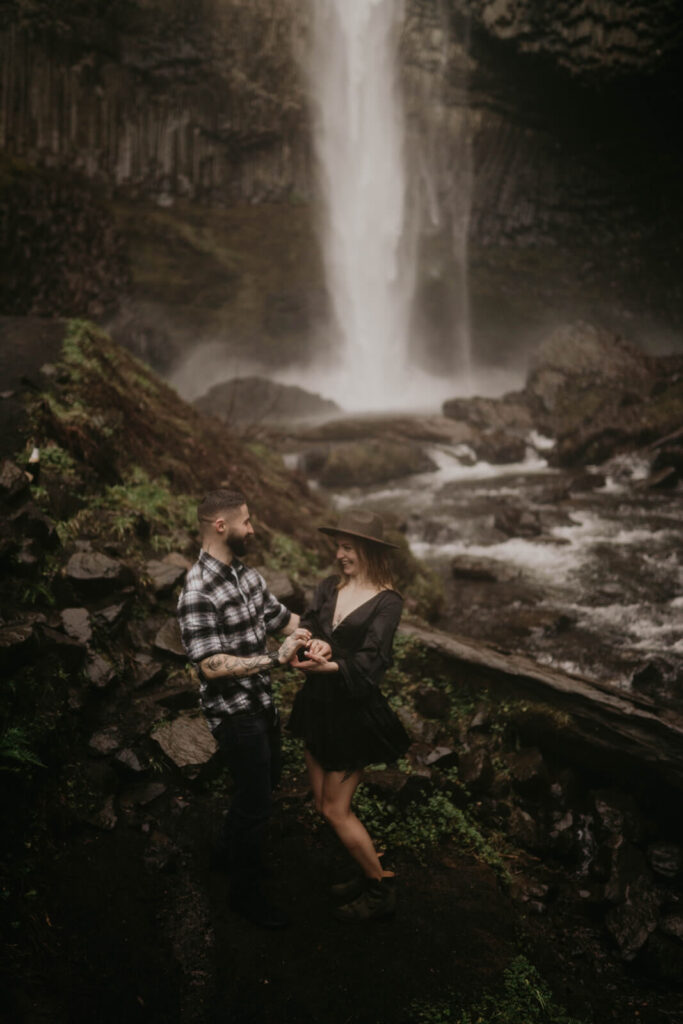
{"x":373,"y":462}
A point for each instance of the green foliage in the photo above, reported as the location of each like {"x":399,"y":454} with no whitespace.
{"x":421,"y":826}
{"x":525,"y":999}
{"x":287,"y":554}
{"x":139,"y":503}
{"x":15,"y":751}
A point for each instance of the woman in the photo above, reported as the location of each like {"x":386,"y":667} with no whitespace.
{"x":340,"y":713}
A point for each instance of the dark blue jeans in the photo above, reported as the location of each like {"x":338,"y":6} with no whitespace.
{"x":250,"y":745}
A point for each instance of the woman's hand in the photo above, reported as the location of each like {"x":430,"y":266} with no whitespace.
{"x":319,"y":654}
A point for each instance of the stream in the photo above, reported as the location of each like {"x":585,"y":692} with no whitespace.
{"x":581,"y":570}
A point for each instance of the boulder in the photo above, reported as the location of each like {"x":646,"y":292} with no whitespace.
{"x":69,"y":652}
{"x":475,"y":769}
{"x":666,"y":859}
{"x":518,"y":522}
{"x":485,"y":570}
{"x":631,"y":924}
{"x":76,"y":624}
{"x":106,"y":817}
{"x":106,"y":741}
{"x":431,"y":702}
{"x":100,"y":671}
{"x":18,"y":643}
{"x":14,"y":483}
{"x":142,"y":794}
{"x":128,"y":760}
{"x":147,"y":671}
{"x":280,"y":584}
{"x":96,"y":574}
{"x":499,"y":447}
{"x":32,"y":523}
{"x":258,"y":400}
{"x":529,"y":773}
{"x":187,"y":740}
{"x":617,"y":814}
{"x":168,"y":639}
{"x":164,"y":575}
{"x":522,"y":829}
{"x":372,"y":462}
{"x":503,"y":415}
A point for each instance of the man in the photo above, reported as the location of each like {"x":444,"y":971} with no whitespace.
{"x":225,"y":611}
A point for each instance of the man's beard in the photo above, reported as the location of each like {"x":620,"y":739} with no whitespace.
{"x":238,"y":545}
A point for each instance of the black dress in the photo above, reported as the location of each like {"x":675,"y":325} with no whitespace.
{"x":343,"y":717}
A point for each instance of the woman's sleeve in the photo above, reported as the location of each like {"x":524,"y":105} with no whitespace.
{"x":360,"y":673}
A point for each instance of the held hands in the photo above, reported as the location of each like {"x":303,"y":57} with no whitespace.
{"x":299,"y":638}
{"x":318,"y":658}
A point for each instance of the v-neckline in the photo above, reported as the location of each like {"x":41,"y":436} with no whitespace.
{"x":349,"y":614}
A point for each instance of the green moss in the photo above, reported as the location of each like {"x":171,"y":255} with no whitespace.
{"x":524,"y":998}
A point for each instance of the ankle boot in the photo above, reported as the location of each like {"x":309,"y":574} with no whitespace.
{"x":377,"y":901}
{"x":345,"y":892}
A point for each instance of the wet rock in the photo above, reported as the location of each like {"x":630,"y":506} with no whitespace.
{"x":419,"y":729}
{"x":475,"y":769}
{"x":661,"y":680}
{"x":481,"y":719}
{"x":106,"y":817}
{"x":431,"y":702}
{"x":258,"y":400}
{"x":511,"y":413}
{"x":398,"y":787}
{"x":105,"y":742}
{"x":129,"y":760}
{"x":113,"y":616}
{"x":665,"y":858}
{"x":168,"y":639}
{"x":100,"y":671}
{"x":97,"y":574}
{"x":147,"y":671}
{"x":14,"y":483}
{"x":499,"y":448}
{"x":143,"y":794}
{"x":518,"y":522}
{"x":672,"y":924}
{"x":163,"y":575}
{"x":374,"y":461}
{"x":618,"y":813}
{"x":34,"y":524}
{"x":18,"y":644}
{"x":562,"y":835}
{"x":629,"y":873}
{"x":281,"y":585}
{"x":529,"y":773}
{"x":486,"y":570}
{"x":76,"y":623}
{"x":631,"y":924}
{"x":440,"y":757}
{"x":187,"y":740}
{"x":70,"y":653}
{"x":522,"y":829}
{"x":178,"y":697}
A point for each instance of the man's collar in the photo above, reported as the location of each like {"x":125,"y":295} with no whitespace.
{"x":218,"y":568}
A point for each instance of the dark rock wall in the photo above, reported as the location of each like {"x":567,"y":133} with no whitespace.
{"x":166,"y":98}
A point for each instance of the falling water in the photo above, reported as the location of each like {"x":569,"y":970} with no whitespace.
{"x":370,"y":236}
{"x":359,"y":141}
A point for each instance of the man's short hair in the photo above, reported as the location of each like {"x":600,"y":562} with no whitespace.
{"x":222,"y":500}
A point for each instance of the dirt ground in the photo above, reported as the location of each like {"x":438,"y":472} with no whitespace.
{"x":134,"y":926}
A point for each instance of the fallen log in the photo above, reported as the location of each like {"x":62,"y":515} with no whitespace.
{"x":615,"y":729}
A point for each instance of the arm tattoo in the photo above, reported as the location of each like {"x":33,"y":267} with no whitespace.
{"x":230,"y":665}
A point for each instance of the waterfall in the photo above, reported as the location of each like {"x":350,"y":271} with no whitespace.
{"x":380,"y":201}
{"x":359,"y":139}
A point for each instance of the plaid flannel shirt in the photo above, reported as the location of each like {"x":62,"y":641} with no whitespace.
{"x":228,"y":609}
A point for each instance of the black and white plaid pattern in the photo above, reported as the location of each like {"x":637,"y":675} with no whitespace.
{"x":228,"y":609}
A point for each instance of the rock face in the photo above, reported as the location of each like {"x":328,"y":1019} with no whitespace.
{"x":255,"y":400}
{"x":597,"y":395}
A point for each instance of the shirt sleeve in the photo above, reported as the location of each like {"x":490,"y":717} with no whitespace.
{"x":361,"y":671}
{"x":198,"y":621}
{"x":275,"y":614}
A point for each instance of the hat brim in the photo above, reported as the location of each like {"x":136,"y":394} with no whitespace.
{"x":331,"y":531}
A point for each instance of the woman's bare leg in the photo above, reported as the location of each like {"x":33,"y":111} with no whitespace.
{"x":316,"y":777}
{"x":338,"y":790}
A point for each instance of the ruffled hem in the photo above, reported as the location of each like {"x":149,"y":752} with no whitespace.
{"x":345,"y":736}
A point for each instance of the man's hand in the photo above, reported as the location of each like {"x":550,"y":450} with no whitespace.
{"x":319,"y":658}
{"x":289,"y":647}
